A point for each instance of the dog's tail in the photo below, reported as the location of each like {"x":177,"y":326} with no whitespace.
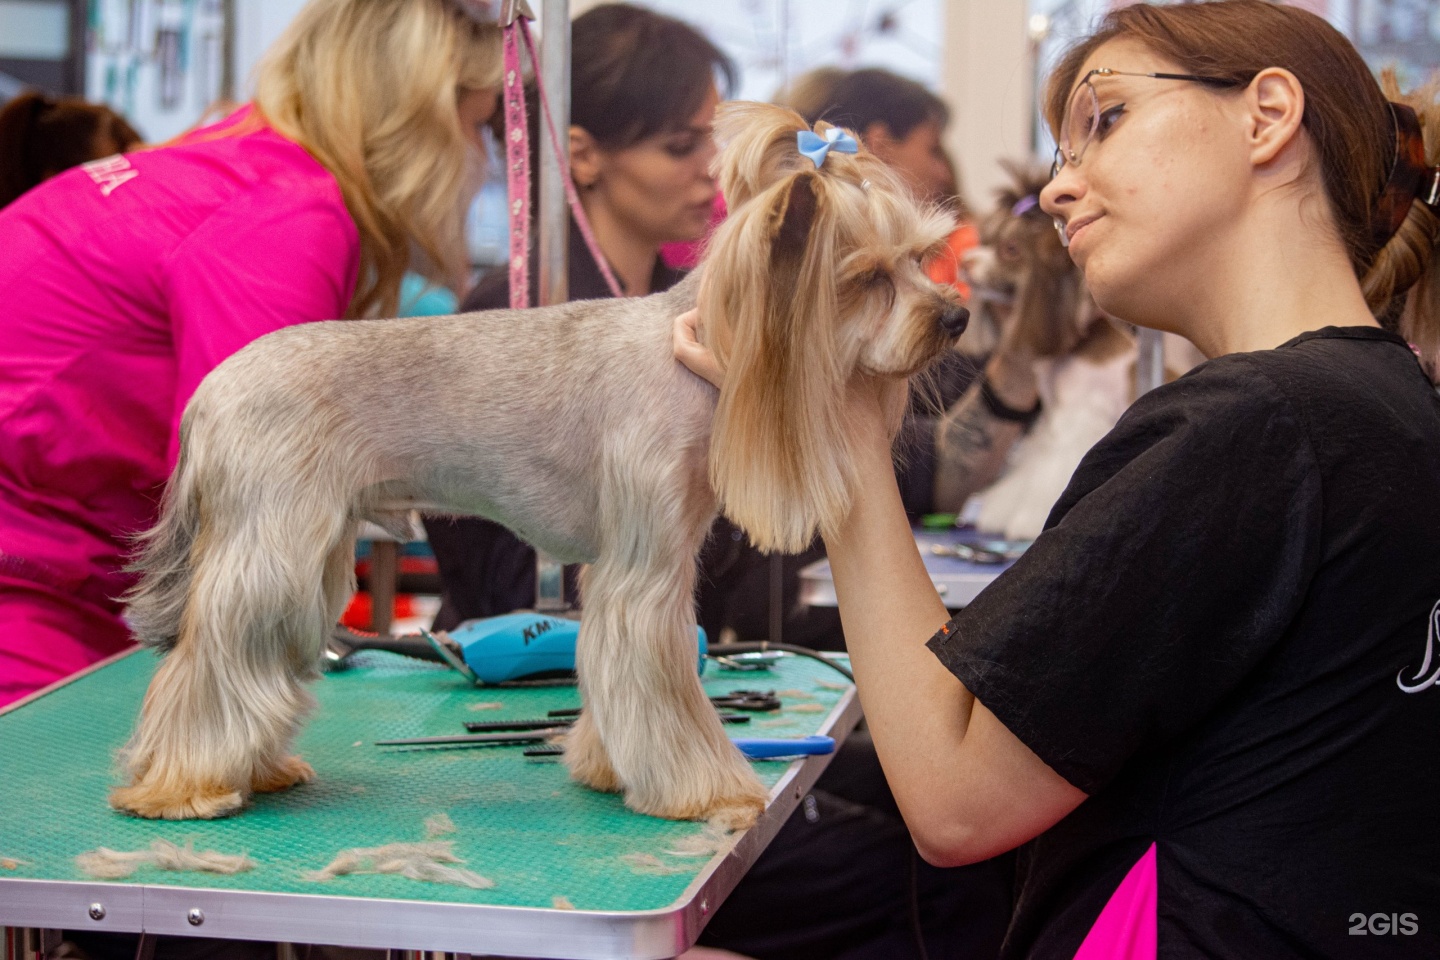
{"x":255,"y":523}
{"x":162,"y":558}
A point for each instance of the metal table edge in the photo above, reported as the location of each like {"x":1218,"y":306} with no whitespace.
{"x":421,"y":925}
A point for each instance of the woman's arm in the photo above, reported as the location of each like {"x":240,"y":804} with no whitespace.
{"x":967,"y":788}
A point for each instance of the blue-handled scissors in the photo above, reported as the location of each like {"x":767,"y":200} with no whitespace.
{"x":761,"y":748}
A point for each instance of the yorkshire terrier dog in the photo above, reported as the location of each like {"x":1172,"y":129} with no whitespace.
{"x":1031,"y":298}
{"x":574,"y":426}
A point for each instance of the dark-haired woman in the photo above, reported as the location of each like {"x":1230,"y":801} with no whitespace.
{"x":900,"y":122}
{"x":1206,"y":699}
{"x":41,"y":136}
{"x":643,"y":94}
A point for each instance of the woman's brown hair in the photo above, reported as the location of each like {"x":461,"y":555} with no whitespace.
{"x":1347,"y":117}
{"x":41,"y":136}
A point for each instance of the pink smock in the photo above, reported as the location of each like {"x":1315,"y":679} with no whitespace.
{"x":122,"y":284}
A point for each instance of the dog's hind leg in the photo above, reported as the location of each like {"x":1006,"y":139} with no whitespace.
{"x":280,"y":769}
{"x":648,"y":726}
{"x":224,"y":706}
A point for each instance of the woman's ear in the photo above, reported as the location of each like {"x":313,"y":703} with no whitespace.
{"x":1275,"y":101}
{"x":878,"y":139}
{"x":586,"y":160}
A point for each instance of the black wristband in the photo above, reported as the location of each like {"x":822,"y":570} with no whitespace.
{"x":1001,"y":411}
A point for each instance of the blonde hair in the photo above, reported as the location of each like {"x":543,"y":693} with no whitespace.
{"x":370,"y":90}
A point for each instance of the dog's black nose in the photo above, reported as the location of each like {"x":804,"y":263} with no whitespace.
{"x":954,"y":320}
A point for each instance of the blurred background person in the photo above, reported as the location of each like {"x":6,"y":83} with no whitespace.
{"x":42,"y":135}
{"x":643,"y":95}
{"x":354,"y":162}
{"x":809,"y":93}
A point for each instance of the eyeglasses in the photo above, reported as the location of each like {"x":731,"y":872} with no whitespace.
{"x":1082,"y":118}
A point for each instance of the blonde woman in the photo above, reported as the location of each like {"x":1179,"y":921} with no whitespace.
{"x":128,"y":279}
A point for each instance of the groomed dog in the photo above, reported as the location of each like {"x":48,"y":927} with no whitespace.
{"x":1028,"y":292}
{"x":574,"y":426}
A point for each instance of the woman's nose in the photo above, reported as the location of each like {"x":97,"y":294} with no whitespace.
{"x":1058,"y":196}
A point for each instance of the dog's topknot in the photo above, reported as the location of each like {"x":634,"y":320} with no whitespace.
{"x":758,"y":149}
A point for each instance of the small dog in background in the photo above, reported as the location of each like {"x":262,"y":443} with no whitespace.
{"x":1029,"y":296}
{"x":814,"y":278}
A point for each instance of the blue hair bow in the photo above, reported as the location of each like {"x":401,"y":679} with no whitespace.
{"x":817,"y":148}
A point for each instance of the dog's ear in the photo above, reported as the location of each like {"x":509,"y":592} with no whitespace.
{"x":779,"y":456}
{"x":790,"y":226}
{"x":1047,"y":306}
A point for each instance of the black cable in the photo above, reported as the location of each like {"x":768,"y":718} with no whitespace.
{"x":764,"y":646}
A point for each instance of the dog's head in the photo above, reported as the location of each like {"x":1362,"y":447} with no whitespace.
{"x":1021,"y":275}
{"x":814,"y":278}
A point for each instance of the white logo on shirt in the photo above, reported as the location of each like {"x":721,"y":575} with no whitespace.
{"x":110,"y":173}
{"x":1420,"y":680}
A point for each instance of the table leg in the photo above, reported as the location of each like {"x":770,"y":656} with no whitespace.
{"x":27,"y":943}
{"x":384,"y":568}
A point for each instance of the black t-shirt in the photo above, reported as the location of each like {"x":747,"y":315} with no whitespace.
{"x":1218,"y":638}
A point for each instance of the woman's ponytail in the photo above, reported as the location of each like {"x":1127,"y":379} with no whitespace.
{"x":1402,"y":284}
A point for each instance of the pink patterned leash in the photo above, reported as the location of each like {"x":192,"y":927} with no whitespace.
{"x":517,"y":171}
{"x":517,"y":164}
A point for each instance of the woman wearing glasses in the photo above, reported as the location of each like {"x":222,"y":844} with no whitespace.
{"x":1206,"y":699}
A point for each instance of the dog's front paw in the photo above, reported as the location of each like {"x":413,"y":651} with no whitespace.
{"x":282,"y":775}
{"x":586,"y":757}
{"x":737,"y":812}
{"x":153,"y":803}
{"x":728,"y":796}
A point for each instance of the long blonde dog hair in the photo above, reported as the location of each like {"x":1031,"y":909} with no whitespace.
{"x":370,"y":90}
{"x":801,"y":245}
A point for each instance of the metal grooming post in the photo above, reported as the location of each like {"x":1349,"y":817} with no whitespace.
{"x":1150,"y":365}
{"x":554,"y":227}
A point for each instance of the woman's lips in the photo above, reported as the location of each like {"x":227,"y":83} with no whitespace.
{"x":1074,"y":230}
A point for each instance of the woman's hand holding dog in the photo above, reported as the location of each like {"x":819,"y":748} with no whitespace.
{"x":696,"y":357}
{"x":875,"y":404}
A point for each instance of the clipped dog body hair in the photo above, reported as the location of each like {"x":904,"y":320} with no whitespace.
{"x":574,"y":426}
{"x":106,"y":864}
{"x":432,"y":861}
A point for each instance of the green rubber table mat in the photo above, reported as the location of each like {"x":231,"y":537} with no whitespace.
{"x":520,"y":822}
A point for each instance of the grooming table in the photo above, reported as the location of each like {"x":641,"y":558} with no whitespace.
{"x":520,"y":822}
{"x":958,"y":581}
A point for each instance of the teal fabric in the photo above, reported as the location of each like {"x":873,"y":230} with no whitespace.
{"x":420,"y":298}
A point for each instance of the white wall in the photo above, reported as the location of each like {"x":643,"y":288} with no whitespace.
{"x":988,"y":82}
{"x":257,"y":24}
